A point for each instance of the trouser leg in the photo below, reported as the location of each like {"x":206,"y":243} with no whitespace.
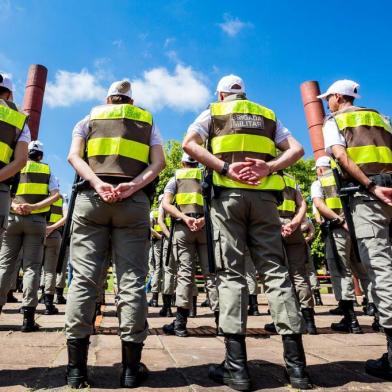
{"x":61,"y":278}
{"x":169,"y":271}
{"x":186,"y":251}
{"x":33,"y":249}
{"x":157,"y":274}
{"x":51,"y":255}
{"x":10,"y":248}
{"x":295,"y":246}
{"x":372,"y":220}
{"x":5,"y":202}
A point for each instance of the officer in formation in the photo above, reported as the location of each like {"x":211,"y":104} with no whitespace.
{"x":118,"y":151}
{"x":37,"y":189}
{"x":183,"y":200}
{"x":339,"y":251}
{"x":292,"y":212}
{"x":242,"y":138}
{"x":360,"y":140}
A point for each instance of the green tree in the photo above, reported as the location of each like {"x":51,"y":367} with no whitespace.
{"x":173,"y":154}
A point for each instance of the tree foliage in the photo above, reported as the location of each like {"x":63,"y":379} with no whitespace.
{"x":173,"y":154}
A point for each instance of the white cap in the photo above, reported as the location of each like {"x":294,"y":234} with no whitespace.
{"x":36,"y":145}
{"x":323,"y":161}
{"x":6,"y":82}
{"x":226,"y":84}
{"x":343,"y":87}
{"x":121,"y":87}
{"x":188,"y":159}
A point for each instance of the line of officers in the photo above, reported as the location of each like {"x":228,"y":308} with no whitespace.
{"x":118,"y":151}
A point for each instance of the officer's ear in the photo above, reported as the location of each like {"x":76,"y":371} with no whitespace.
{"x":109,"y":100}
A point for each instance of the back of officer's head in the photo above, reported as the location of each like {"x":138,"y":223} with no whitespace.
{"x":5,"y":87}
{"x":188,"y":162}
{"x":36,"y":151}
{"x":230,"y":85}
{"x":120,"y":92}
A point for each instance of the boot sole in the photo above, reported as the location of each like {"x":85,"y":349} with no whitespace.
{"x":77,"y":382}
{"x":238,"y":386}
{"x":299,"y":383}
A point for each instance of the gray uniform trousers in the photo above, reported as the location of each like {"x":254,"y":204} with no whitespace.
{"x":342,"y":276}
{"x":311,"y":270}
{"x":251,"y":275}
{"x":156,"y":272}
{"x":186,"y":245}
{"x":372,"y":220}
{"x":5,"y":202}
{"x":169,"y":271}
{"x":126,"y":225}
{"x":297,"y":256}
{"x":51,"y":255}
{"x":247,"y":218}
{"x":27,"y":232}
{"x":61,"y":278}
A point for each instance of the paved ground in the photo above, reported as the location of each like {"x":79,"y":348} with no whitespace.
{"x":37,"y":361}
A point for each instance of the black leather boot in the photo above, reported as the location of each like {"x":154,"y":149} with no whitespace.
{"x":11,"y":299}
{"x":349,"y":322}
{"x":382,"y":368}
{"x":308,"y":314}
{"x":77,"y":362}
{"x":50,"y":308}
{"x":178,"y":326}
{"x":370,"y":309}
{"x":193,"y":309}
{"x":317,"y":297}
{"x":154,"y":300}
{"x":338,"y":311}
{"x":134,"y":372}
{"x":376,"y":323}
{"x":218,"y":330}
{"x":294,"y":358}
{"x":233,"y":371}
{"x":253,"y":309}
{"x":29,"y":324}
{"x":166,"y":307}
{"x":205,"y":303}
{"x":41,"y":298}
{"x":270,"y":327}
{"x":60,"y":299}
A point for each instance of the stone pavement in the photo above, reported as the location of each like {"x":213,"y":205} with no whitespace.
{"x":36,"y":361}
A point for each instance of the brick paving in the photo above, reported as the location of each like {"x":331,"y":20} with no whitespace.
{"x":37,"y":361}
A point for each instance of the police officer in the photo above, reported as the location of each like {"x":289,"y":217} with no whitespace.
{"x":292,"y":212}
{"x":118,"y":151}
{"x":341,"y":265}
{"x":14,"y":140}
{"x":184,"y":189}
{"x":242,"y":136}
{"x":253,"y":286}
{"x":360,"y":139}
{"x":56,"y":221}
{"x":37,"y":190}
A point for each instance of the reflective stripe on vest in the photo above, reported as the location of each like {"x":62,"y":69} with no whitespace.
{"x":241,"y":128}
{"x":33,"y":185}
{"x":369,"y":139}
{"x":118,"y":140}
{"x":188,"y":198}
{"x":288,"y":207}
{"x":331,"y":197}
{"x":155,"y":225}
{"x":56,"y":211}
{"x":11,"y":123}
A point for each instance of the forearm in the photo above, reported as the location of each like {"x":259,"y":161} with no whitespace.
{"x":147,"y":175}
{"x":83,"y":169}
{"x":164,"y":228}
{"x":173,"y":211}
{"x":292,"y":151}
{"x":325,"y":211}
{"x":300,"y":214}
{"x":59,"y":223}
{"x":47,"y":202}
{"x":192,"y":146}
{"x":11,"y":169}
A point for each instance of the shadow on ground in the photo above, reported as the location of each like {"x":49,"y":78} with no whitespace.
{"x":265,"y":375}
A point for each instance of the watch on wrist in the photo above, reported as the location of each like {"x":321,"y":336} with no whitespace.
{"x":225,"y":168}
{"x":370,"y":185}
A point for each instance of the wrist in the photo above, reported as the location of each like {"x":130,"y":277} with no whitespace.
{"x":370,"y":186}
{"x":225,"y":168}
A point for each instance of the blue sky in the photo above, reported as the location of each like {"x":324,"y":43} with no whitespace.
{"x":175,"y":52}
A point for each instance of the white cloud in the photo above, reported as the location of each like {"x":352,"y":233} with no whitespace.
{"x":232,"y":26}
{"x":168,"y":42}
{"x":183,"y":90}
{"x":73,"y":87}
{"x":118,"y":43}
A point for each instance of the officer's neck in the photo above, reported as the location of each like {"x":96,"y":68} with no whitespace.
{"x":233,"y":97}
{"x":344,"y":105}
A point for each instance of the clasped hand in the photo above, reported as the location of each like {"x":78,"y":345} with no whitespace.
{"x":249,"y":172}
{"x":111,"y":194}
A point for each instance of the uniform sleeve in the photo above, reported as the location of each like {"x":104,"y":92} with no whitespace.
{"x":201,"y":125}
{"x":316,"y":190}
{"x":156,"y":138}
{"x":81,"y":128}
{"x":25,"y":135}
{"x":282,"y":133}
{"x":171,"y":186}
{"x":53,"y":183}
{"x":332,"y":135}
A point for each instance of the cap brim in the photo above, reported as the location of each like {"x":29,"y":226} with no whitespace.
{"x":322,"y":96}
